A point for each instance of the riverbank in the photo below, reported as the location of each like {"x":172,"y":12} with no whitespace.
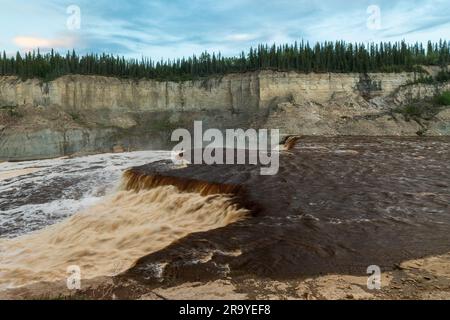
{"x":422,"y":279}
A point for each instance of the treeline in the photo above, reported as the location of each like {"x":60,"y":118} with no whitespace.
{"x":339,"y":57}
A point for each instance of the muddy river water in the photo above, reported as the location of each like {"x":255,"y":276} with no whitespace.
{"x":337,"y":205}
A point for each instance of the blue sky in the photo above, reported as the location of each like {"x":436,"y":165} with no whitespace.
{"x":175,"y":28}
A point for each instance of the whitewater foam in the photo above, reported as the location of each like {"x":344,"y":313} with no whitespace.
{"x":110,"y":237}
{"x":41,"y":193}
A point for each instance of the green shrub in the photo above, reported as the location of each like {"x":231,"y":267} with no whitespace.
{"x":443,"y":76}
{"x":425,"y":80}
{"x":75,"y":116}
{"x":11,"y":111}
{"x":424,"y":110}
{"x":413,"y":111}
{"x":444,"y":99}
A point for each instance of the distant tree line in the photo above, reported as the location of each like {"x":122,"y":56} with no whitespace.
{"x":339,"y":57}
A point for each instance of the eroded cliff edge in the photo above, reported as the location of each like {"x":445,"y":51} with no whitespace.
{"x":84,"y":114}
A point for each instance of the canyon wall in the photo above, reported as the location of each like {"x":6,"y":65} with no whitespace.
{"x":233,"y":91}
{"x":83,"y":114}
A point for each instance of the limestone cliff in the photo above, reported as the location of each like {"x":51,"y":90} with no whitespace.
{"x":74,"y":114}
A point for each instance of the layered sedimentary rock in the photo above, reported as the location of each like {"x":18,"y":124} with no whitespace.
{"x":93,"y":114}
{"x":233,"y":91}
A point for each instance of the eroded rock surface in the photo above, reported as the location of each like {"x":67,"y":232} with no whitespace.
{"x":89,"y":114}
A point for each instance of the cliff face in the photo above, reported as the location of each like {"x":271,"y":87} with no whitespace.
{"x":93,"y":114}
{"x":97,"y":93}
{"x":234,"y":91}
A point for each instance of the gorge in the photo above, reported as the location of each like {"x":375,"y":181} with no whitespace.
{"x":77,"y":114}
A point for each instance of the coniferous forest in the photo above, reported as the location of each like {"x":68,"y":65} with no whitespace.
{"x":338,"y":57}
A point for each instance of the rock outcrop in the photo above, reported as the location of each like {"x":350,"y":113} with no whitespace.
{"x":74,"y":114}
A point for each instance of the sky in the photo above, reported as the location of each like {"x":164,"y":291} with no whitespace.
{"x":176,"y":28}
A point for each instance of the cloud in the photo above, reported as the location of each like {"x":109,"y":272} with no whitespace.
{"x":240,"y":37}
{"x":183,"y":27}
{"x":29,"y":43}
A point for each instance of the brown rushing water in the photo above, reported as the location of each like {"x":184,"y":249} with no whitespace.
{"x":337,"y":205}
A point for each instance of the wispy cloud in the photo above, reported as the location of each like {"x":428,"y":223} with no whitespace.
{"x":241,"y":37}
{"x":30,"y":43}
{"x":180,"y":27}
